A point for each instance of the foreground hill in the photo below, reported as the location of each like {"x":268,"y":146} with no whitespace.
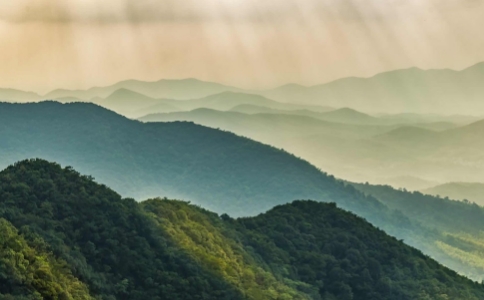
{"x":66,"y":237}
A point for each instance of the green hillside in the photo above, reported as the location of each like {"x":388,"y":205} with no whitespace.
{"x":66,"y":237}
{"x":221,"y":171}
{"x":217,"y":170}
{"x":461,"y":223}
{"x":345,"y":146}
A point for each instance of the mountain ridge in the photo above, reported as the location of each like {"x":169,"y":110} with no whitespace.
{"x":164,"y":249}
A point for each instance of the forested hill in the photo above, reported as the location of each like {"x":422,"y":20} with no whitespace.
{"x":219,"y":170}
{"x":63,"y":236}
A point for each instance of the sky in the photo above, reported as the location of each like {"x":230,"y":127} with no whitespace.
{"x":77,"y":44}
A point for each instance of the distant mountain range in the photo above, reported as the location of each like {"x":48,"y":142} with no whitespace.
{"x":183,"y":89}
{"x":350,"y":144}
{"x":409,"y":90}
{"x":217,"y":170}
{"x":12,"y":95}
{"x":133,"y":104}
{"x":473,"y":192}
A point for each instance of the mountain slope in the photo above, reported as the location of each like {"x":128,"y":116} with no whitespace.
{"x":107,"y":242}
{"x":12,"y":95}
{"x":29,"y":271}
{"x":349,"y":151}
{"x":460,"y":222}
{"x":350,"y":116}
{"x":126,"y":102}
{"x":179,"y":160}
{"x":267,"y":127}
{"x":473,"y":192}
{"x":162,"y":249}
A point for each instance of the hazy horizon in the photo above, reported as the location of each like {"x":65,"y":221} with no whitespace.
{"x":75,"y":44}
{"x":245,"y":89}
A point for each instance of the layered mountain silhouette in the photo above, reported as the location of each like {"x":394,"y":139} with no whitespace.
{"x":133,"y":104}
{"x":217,"y":170}
{"x":352,"y":145}
{"x":170,"y":89}
{"x":410,"y":90}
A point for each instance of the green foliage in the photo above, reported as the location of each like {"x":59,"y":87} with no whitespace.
{"x":206,"y":238}
{"x":107,"y":242}
{"x":29,"y":272}
{"x":314,"y":248}
{"x":346,"y":257}
{"x":221,"y":171}
{"x":66,"y":237}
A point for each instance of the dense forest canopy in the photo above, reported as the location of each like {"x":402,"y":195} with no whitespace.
{"x":66,"y":237}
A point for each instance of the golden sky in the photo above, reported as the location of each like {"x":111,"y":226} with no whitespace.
{"x":48,"y":44}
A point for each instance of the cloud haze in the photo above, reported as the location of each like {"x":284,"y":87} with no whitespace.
{"x":48,"y":44}
{"x":209,"y":10}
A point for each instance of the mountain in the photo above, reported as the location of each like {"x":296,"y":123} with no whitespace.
{"x":218,"y":170}
{"x":350,"y":116}
{"x":355,"y":152}
{"x":411,"y":136}
{"x":453,"y":155}
{"x":410,"y":90}
{"x":12,"y":95}
{"x":66,"y":237}
{"x":460,"y":222}
{"x":256,"y":109}
{"x":179,"y":160}
{"x":228,"y":100}
{"x":125,"y":101}
{"x":169,"y":89}
{"x":82,"y":241}
{"x":473,"y":192}
{"x":133,"y":104}
{"x":269,"y":128}
{"x":406,"y":118}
